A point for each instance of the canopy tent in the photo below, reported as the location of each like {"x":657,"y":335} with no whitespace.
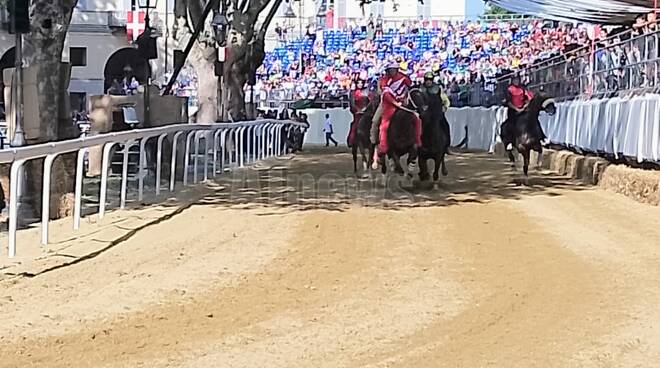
{"x":591,"y":11}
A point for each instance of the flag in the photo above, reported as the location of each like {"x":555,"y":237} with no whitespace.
{"x":135,"y":24}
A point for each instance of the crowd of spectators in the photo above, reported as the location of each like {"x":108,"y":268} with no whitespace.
{"x":467,"y":57}
{"x":461,"y":54}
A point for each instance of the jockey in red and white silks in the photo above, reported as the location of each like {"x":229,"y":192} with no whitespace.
{"x":394,"y":87}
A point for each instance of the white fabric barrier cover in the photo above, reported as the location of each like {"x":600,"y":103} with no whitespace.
{"x":482,"y":126}
{"x":627,"y":126}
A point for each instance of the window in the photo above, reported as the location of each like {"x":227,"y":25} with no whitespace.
{"x":78,"y":56}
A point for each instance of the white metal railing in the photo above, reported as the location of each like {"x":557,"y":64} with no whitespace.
{"x":253,"y":140}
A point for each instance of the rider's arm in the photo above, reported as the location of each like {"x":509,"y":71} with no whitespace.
{"x":351,"y":102}
{"x":389,"y":99}
{"x":445,"y":101}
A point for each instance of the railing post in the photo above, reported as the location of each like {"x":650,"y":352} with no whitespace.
{"x":77,"y":207}
{"x":248,"y":148}
{"x":241,"y":156}
{"x":278,"y":140}
{"x":207,"y":134}
{"x":13,"y":205}
{"x":173,"y":162}
{"x":235,"y":154}
{"x":45,"y":197}
{"x":223,"y":146}
{"x":196,"y":156}
{"x":255,"y":136}
{"x":141,"y":167}
{"x":105,"y":167}
{"x":186,"y":159}
{"x":159,"y":161}
{"x":216,"y":145}
{"x":124,"y":175}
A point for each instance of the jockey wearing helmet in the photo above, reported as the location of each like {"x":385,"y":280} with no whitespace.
{"x":394,"y":86}
{"x":517,"y":99}
{"x":434,"y":91}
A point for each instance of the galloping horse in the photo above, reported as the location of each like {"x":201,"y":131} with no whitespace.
{"x":435,"y":140}
{"x":361,"y":140}
{"x":526,"y":129}
{"x":401,"y":132}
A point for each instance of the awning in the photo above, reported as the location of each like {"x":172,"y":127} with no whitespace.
{"x":590,"y":11}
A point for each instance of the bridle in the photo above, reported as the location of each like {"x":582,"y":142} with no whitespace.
{"x":411,"y":102}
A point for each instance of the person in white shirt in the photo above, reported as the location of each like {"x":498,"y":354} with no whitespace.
{"x":327,"y":128}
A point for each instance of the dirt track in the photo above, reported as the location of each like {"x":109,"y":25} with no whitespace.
{"x":301,"y":265}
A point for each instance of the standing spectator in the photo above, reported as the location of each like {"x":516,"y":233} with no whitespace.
{"x":327,"y":128}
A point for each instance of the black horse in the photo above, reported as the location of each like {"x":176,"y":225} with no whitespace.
{"x":361,"y":141}
{"x":401,"y":132}
{"x":527,"y":132}
{"x":435,"y":139}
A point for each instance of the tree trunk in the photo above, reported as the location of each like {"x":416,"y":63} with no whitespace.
{"x":203,"y":59}
{"x":43,"y":50}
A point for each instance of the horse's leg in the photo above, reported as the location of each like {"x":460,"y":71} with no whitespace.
{"x":423,"y":169}
{"x":512,"y":159}
{"x":364,"y":152}
{"x":397,"y":164}
{"x":525,"y":154}
{"x":539,"y":160}
{"x":412,"y":161}
{"x":439,"y":162}
{"x":354,"y":151}
{"x":443,"y":157}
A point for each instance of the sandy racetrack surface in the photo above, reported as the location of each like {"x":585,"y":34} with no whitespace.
{"x":298,"y":264}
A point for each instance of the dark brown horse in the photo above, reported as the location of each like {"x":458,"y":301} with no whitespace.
{"x":361,"y":141}
{"x":435,"y":139}
{"x":527,"y":129}
{"x":401,"y":133}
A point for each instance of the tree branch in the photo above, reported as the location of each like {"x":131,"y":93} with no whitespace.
{"x":269,"y":18}
{"x":195,"y":9}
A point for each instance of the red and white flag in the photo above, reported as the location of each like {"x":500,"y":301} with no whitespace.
{"x":135,"y":24}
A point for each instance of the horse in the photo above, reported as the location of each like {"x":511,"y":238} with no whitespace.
{"x":401,"y":132}
{"x":435,"y":140}
{"x":361,"y":141}
{"x":526,"y":129}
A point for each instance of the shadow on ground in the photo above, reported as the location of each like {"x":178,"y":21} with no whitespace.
{"x":324,"y":179}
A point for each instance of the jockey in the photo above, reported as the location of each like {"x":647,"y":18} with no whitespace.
{"x":434,"y":90}
{"x":394,"y":86}
{"x":359,"y":100}
{"x":517,"y":99}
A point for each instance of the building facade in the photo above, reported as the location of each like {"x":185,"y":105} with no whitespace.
{"x":100,"y":48}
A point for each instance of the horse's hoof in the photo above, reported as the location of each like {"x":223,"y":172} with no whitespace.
{"x":436,"y":178}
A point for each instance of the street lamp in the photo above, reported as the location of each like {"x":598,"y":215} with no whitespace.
{"x":150,"y":33}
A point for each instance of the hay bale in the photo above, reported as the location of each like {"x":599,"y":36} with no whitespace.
{"x":641,"y":185}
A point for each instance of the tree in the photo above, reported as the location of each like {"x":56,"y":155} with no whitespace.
{"x":49,"y":22}
{"x":245,"y":49}
{"x":496,"y":10}
{"x":202,"y":57}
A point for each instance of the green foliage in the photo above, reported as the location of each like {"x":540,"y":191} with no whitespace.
{"x":496,"y":10}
